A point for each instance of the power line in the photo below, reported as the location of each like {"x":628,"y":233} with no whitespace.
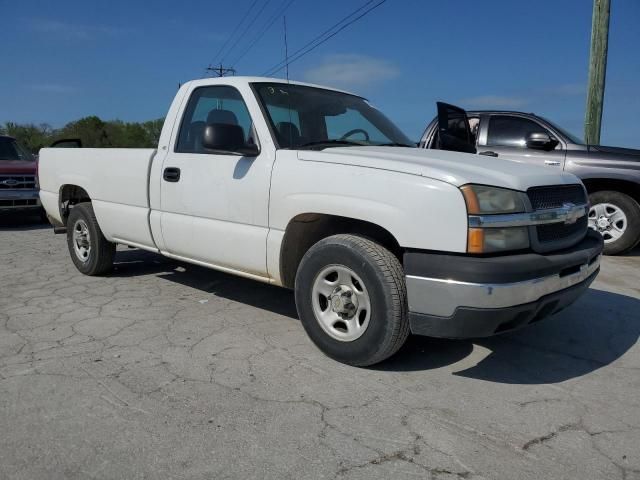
{"x":249,"y":25}
{"x":324,"y":33}
{"x":235,"y":30}
{"x":319,"y":40}
{"x":279,"y":11}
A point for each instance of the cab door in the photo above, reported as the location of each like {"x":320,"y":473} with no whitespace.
{"x":519,"y":138}
{"x":214,"y":204}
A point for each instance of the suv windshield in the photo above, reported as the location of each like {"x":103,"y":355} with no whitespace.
{"x":11,"y":150}
{"x":315,"y":118}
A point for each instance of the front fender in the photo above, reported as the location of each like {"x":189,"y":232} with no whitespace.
{"x":419,"y":212}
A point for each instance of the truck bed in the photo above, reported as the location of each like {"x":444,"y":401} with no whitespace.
{"x":116,"y":179}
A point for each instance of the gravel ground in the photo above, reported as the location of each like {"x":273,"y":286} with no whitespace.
{"x":165,"y":370}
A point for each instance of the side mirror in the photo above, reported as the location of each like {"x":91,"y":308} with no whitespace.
{"x":541,"y":141}
{"x":227,"y":138}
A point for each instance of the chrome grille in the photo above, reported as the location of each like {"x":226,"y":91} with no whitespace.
{"x":17,"y":182}
{"x":544,"y":198}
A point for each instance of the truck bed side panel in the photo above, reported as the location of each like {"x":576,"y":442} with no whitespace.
{"x":117,"y":181}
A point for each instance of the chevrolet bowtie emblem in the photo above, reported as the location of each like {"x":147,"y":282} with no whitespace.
{"x":572,"y":213}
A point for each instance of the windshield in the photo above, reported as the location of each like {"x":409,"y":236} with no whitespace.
{"x":309,"y":117}
{"x":11,"y":150}
{"x":572,"y":138}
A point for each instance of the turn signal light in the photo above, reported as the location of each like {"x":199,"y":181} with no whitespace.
{"x":475,"y":240}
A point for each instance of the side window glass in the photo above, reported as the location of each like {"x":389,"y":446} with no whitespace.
{"x":216,"y":104}
{"x":507,"y":131}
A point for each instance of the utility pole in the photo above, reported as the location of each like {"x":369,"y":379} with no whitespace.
{"x":597,"y":71}
{"x":221,"y":71}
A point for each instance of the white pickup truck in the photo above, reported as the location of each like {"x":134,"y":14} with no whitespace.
{"x":313,"y":189}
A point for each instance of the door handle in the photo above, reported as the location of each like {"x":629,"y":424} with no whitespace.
{"x":553,"y":163}
{"x":171,"y":174}
{"x":488,"y":153}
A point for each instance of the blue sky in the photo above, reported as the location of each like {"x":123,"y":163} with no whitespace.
{"x":124,"y":59}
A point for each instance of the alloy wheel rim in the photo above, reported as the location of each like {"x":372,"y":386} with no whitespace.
{"x":609,"y":220}
{"x":341,"y":303}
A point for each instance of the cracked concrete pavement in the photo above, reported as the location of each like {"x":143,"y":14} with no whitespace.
{"x":167,"y":370}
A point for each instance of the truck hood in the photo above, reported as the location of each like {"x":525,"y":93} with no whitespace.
{"x":17,"y":166}
{"x":451,"y":167}
{"x":617,"y":153}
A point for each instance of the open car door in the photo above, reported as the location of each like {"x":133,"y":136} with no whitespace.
{"x":454,"y":132}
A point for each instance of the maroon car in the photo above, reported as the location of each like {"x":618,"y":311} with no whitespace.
{"x":18,"y":178}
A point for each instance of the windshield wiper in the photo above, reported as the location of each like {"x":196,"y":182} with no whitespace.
{"x":396,"y":144}
{"x":330,"y":143}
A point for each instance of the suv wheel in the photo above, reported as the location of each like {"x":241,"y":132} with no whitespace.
{"x":617,"y":217}
{"x":352,"y":301}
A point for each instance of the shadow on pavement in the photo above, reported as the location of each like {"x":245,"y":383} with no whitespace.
{"x":135,"y":262}
{"x":21,"y":221}
{"x":633,"y":253}
{"x":594,"y":332}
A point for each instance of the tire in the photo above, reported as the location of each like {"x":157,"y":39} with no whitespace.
{"x":375,"y":276}
{"x":607,"y":206}
{"x":98,"y":251}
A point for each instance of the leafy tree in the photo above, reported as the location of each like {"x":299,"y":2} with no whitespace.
{"x":154,"y":128}
{"x":93,"y":131}
{"x":31,"y":136}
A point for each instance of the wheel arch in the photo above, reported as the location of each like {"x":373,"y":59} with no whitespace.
{"x":306,"y":229}
{"x":69,"y":196}
{"x":628,"y":187}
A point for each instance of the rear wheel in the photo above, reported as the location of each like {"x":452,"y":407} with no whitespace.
{"x":351,"y":299}
{"x":617,"y":217}
{"x":91,"y":253}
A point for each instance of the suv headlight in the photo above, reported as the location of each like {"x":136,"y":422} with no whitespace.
{"x":484,"y":200}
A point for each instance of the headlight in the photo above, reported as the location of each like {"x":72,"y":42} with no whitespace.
{"x":491,"y":240}
{"x":481,"y":199}
{"x":484,"y":200}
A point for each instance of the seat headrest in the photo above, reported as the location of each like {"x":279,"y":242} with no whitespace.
{"x":222,"y":116}
{"x":288,"y":133}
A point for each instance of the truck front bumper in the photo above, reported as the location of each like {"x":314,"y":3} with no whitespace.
{"x":459,"y":296}
{"x":13,"y":200}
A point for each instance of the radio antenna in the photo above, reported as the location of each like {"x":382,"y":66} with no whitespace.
{"x":286,"y":47}
{"x":286,"y":59}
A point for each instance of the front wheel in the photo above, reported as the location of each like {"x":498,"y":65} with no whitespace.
{"x":617,"y":217}
{"x":91,"y":252}
{"x":351,"y":298}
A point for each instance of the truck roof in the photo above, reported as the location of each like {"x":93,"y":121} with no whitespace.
{"x":243,"y":80}
{"x":510,"y":112}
